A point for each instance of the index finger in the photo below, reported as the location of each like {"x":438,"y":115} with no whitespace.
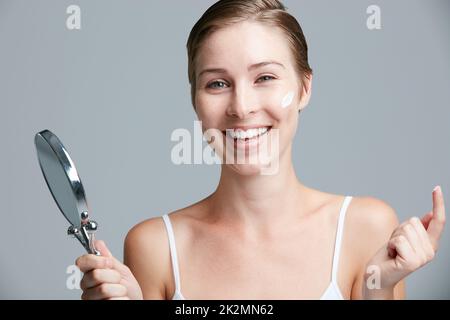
{"x":436,"y":225}
{"x":89,"y":262}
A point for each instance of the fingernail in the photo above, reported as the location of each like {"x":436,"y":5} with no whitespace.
{"x":437,"y":188}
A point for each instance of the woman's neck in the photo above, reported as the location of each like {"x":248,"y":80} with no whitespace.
{"x":259,"y":201}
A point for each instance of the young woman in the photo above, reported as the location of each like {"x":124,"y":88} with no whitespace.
{"x":262,"y":236}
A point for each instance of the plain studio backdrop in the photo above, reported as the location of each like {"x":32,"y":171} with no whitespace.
{"x":115,"y":90}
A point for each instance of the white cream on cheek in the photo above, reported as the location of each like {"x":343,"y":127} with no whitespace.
{"x":287,"y":100}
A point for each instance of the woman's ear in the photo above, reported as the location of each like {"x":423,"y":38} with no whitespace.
{"x":305,"y":92}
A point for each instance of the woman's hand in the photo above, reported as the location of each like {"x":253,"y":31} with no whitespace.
{"x":105,"y":277}
{"x":412,"y":245}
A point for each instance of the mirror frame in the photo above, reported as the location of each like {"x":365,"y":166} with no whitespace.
{"x":71,"y":173}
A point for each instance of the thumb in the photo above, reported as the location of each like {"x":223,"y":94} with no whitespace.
{"x":100,"y":245}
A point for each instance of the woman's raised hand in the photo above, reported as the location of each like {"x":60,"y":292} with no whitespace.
{"x":412,"y":245}
{"x":105,"y":277}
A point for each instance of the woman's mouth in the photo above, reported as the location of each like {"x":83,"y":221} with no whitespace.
{"x":246,"y":138}
{"x":239,"y":134}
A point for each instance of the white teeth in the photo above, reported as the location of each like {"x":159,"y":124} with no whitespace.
{"x":247,"y":134}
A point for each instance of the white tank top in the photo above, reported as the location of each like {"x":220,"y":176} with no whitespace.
{"x":331,"y":293}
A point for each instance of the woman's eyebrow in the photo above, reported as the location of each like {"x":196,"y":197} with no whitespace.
{"x":249,"y":68}
{"x":264,"y":63}
{"x":212,"y":70}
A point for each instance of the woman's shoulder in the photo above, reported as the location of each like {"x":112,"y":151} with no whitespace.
{"x":155,"y":225}
{"x":150,"y":227}
{"x":369,"y":221}
{"x":365,"y":214}
{"x":369,"y":224}
{"x":150,"y":233}
{"x":371,"y":214}
{"x":145,"y":253}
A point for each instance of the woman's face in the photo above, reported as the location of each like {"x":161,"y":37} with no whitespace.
{"x":246,"y":84}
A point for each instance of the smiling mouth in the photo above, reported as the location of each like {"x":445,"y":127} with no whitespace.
{"x":238,"y":134}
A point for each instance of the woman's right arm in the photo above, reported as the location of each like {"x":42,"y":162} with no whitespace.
{"x":146,"y":253}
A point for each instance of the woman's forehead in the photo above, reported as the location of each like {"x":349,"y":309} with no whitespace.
{"x":244,"y":43}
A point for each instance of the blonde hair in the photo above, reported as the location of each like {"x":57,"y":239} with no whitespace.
{"x":226,"y":12}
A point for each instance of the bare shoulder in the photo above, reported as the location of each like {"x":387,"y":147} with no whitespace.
{"x":146,"y":253}
{"x":372,"y":214}
{"x":370,"y":223}
{"x":147,"y":234}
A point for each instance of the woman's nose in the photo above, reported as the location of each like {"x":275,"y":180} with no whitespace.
{"x":243,"y":102}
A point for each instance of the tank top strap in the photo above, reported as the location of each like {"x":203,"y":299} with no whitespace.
{"x":173,"y":252}
{"x":338,"y":240}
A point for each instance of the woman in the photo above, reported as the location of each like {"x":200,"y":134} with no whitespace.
{"x":262,"y":236}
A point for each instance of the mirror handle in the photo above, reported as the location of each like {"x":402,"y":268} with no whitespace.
{"x":85,"y":234}
{"x":91,"y":234}
{"x":91,"y":228}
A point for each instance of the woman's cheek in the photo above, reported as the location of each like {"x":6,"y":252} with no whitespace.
{"x":282,"y":104}
{"x":209,"y":111}
{"x":285,"y":111}
{"x":287,"y":99}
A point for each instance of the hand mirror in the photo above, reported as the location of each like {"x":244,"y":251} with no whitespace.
{"x":66,"y":188}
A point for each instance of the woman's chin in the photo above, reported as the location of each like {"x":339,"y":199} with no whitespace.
{"x":247,"y":169}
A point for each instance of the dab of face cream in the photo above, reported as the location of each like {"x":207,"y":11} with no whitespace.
{"x":287,"y":100}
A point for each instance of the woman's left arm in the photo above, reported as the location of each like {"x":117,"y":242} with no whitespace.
{"x":412,"y":245}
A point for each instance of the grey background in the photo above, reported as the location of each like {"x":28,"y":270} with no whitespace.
{"x":377,"y":123}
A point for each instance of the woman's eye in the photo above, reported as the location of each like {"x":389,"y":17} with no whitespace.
{"x":265,"y":78}
{"x":220,"y":84}
{"x":217,"y":85}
